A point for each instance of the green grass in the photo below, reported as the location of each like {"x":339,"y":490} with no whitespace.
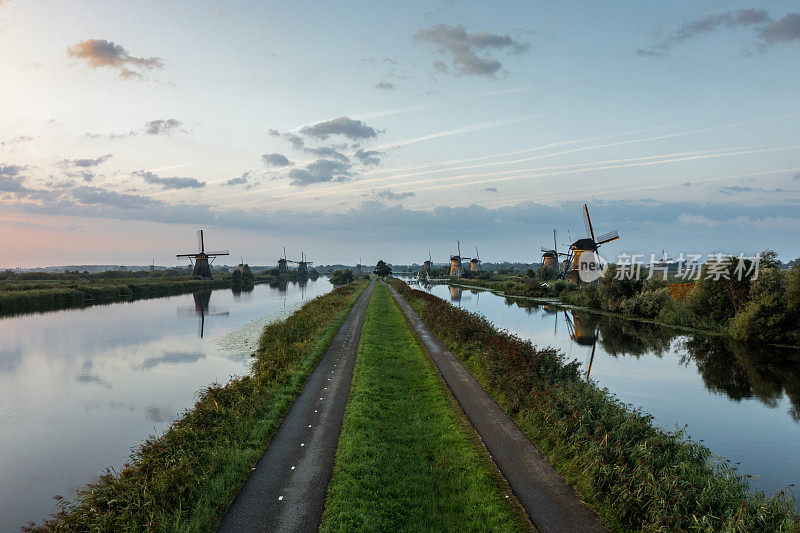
{"x":405,"y":462}
{"x":185,"y":479}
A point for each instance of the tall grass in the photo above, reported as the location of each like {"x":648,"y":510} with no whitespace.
{"x":635,"y":475}
{"x":185,"y":479}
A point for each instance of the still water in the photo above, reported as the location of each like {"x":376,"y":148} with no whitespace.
{"x":744,"y":404}
{"x":80,"y":388}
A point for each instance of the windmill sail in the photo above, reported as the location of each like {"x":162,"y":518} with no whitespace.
{"x":587,"y":222}
{"x":608,"y":237}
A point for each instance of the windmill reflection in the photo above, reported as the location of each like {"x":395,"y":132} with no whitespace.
{"x":202,"y":308}
{"x":583,"y":329}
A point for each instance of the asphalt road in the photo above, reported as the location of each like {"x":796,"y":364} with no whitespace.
{"x":552,"y":505}
{"x":286,"y":490}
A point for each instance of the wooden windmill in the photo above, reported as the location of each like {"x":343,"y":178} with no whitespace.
{"x":550,"y":256}
{"x":202,"y":266}
{"x":590,"y":243}
{"x":302,"y":265}
{"x":283,"y":267}
{"x":455,"y":263}
{"x":358,"y":266}
{"x":475,"y":264}
{"x":426,"y":266}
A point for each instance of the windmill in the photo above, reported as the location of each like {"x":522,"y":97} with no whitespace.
{"x":283,"y":267}
{"x":583,"y":329}
{"x":550,"y":257}
{"x":358,"y":266}
{"x":202,"y":267}
{"x":201,"y":309}
{"x":302,"y":265}
{"x":475,"y":264}
{"x":590,"y":243}
{"x":455,"y":263}
{"x":426,"y":266}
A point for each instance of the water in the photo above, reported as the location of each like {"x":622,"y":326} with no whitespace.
{"x":744,"y":404}
{"x":80,"y":388}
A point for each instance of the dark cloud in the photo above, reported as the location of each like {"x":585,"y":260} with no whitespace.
{"x":85,"y":175}
{"x":320,"y":171}
{"x":783,"y":30}
{"x":276,"y":160}
{"x":352,"y":129}
{"x":244,"y":179}
{"x":368,"y":157}
{"x":385,"y":85}
{"x":328,"y":152}
{"x":169,"y":183}
{"x":10,"y":181}
{"x":102,"y":53}
{"x":464,"y":48}
{"x":490,"y":189}
{"x":157,"y":127}
{"x":85,"y":163}
{"x":393,"y":196}
{"x":87,"y":195}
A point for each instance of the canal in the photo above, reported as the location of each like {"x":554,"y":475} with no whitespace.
{"x":743,"y":403}
{"x":81,"y":388}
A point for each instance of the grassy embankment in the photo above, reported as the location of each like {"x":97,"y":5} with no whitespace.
{"x":405,"y":462}
{"x":25,"y":296}
{"x":185,"y":479}
{"x":761,"y":310}
{"x":636,"y":476}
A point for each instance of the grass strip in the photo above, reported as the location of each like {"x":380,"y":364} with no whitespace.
{"x":635,"y":475}
{"x":404,"y":461}
{"x":185,"y":479}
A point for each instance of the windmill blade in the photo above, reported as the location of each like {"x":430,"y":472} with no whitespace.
{"x":186,"y":255}
{"x":608,"y":237}
{"x":555,"y":242}
{"x":200,"y":244}
{"x":588,"y":222}
{"x":225,"y":252}
{"x":545,"y":249}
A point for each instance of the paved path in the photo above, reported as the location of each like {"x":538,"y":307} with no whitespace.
{"x":287,"y":489}
{"x":551,"y":504}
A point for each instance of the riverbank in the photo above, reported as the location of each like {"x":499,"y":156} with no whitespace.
{"x":635,"y":475}
{"x":54,"y":294}
{"x":184,"y":479}
{"x":763,"y":310}
{"x":405,"y":461}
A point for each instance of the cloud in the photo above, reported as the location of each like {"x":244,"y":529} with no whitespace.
{"x":87,"y":195}
{"x":463,"y":49}
{"x":385,"y":85}
{"x":169,"y":183}
{"x":276,"y":160}
{"x":741,"y":18}
{"x":85,"y":163}
{"x":16,"y":140}
{"x":10,"y":181}
{"x":244,"y":179}
{"x":393,"y":196}
{"x":783,"y":30}
{"x":157,"y":127}
{"x":352,"y":129}
{"x":491,"y":189}
{"x":102,"y":53}
{"x":328,"y":152}
{"x":368,"y":157}
{"x":320,"y":171}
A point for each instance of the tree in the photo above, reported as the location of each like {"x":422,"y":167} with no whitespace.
{"x":382,"y":269}
{"x":342,"y":277}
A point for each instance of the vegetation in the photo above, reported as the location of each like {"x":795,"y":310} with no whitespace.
{"x":184,"y":479}
{"x":342,"y":277}
{"x":635,"y":475}
{"x":405,"y":462}
{"x":40,"y":291}
{"x":382,"y":269}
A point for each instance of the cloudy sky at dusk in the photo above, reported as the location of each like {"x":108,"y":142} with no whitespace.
{"x":350,"y":129}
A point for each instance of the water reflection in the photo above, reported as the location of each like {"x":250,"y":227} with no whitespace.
{"x":80,"y":388}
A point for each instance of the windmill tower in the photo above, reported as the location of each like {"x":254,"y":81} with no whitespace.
{"x":475,"y":264}
{"x":590,"y":243}
{"x":358,"y":266}
{"x":550,"y":257}
{"x":202,"y":266}
{"x":426,"y":266}
{"x":455,"y":263}
{"x":283,"y":267}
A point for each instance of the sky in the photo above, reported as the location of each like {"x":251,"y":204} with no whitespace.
{"x":371,"y":130}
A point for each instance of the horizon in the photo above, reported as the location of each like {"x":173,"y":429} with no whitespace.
{"x":351,"y":131}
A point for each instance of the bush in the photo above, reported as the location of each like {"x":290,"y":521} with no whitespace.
{"x":342,"y":277}
{"x":767,"y":317}
{"x":648,"y":304}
